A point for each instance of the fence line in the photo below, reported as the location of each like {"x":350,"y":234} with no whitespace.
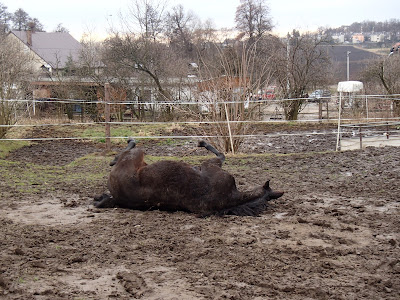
{"x":179,"y":102}
{"x":332,"y":120}
{"x":271,"y":135}
{"x":130,"y":102}
{"x":172,"y":136}
{"x":106,"y":104}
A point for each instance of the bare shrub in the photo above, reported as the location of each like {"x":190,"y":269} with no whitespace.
{"x":6,"y":117}
{"x":16,"y":69}
{"x":227,"y":92}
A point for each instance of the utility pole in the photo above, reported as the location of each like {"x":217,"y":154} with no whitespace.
{"x":348,"y":65}
{"x":287,"y":65}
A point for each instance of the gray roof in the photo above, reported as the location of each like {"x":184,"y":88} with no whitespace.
{"x":53,"y":47}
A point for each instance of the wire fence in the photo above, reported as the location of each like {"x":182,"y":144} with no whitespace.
{"x":43,"y":114}
{"x":356,"y":107}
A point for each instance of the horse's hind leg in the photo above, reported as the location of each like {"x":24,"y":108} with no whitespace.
{"x":131,"y":145}
{"x":220,"y":155}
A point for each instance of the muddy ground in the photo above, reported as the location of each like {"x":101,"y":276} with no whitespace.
{"x":333,"y":235}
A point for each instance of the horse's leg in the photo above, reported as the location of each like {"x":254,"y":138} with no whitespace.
{"x":131,"y":145}
{"x":220,"y":155}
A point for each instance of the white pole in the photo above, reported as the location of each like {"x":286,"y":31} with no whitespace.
{"x":366,"y":104}
{"x":229,"y":128}
{"x":338,"y":124}
{"x":348,"y":65}
{"x":287,"y":65}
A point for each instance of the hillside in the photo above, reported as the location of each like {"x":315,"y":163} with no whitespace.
{"x":359,"y":58}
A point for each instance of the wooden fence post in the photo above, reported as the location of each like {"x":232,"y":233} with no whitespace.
{"x":107,"y":115}
{"x":320,"y":109}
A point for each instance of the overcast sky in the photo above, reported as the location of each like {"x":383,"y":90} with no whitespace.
{"x":97,"y":16}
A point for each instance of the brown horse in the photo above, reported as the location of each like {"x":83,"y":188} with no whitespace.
{"x":170,"y":185}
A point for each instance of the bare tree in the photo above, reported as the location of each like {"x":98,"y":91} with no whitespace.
{"x":35,"y":25}
{"x":252,"y":17}
{"x":142,"y":51}
{"x":147,"y":18}
{"x":61,"y":28}
{"x":205,"y":34}
{"x":227,"y":86}
{"x":300,"y":64}
{"x":5,"y":18}
{"x":383,"y":75}
{"x":129,"y":55}
{"x":16,"y":70}
{"x":90,"y":60}
{"x":180,"y":28}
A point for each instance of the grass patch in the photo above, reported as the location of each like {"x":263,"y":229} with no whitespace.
{"x":90,"y":159}
{"x":8,"y":146}
{"x":28,"y":178}
{"x":124,"y":131}
{"x":168,"y":142}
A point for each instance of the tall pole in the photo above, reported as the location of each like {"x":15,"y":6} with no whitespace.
{"x":107,"y":115}
{"x":338,"y":146}
{"x":348,"y":65}
{"x":229,"y":128}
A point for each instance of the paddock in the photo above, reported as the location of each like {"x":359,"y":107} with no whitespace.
{"x":333,"y":235}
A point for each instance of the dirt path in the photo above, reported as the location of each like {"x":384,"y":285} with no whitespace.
{"x":333,"y":235}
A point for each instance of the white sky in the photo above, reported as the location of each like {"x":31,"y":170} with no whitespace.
{"x":96,"y":16}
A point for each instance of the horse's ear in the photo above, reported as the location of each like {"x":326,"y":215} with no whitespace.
{"x":114,"y":161}
{"x":266,"y":185}
{"x":275,"y":195}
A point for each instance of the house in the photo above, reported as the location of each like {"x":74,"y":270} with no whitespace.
{"x":339,"y":38}
{"x":54,"y":56}
{"x":53,"y":51}
{"x":358,"y":38}
{"x":377,"y":38}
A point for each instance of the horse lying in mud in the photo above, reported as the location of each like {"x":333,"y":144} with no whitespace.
{"x":170,"y":185}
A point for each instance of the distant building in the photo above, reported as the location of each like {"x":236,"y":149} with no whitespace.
{"x":377,"y":38}
{"x":53,"y":51}
{"x":55,"y":58}
{"x":358,"y":38}
{"x":338,"y":38}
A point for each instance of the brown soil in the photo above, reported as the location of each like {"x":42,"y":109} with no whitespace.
{"x":333,"y":235}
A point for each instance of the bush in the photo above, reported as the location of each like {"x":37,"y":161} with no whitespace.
{"x":6,"y":116}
